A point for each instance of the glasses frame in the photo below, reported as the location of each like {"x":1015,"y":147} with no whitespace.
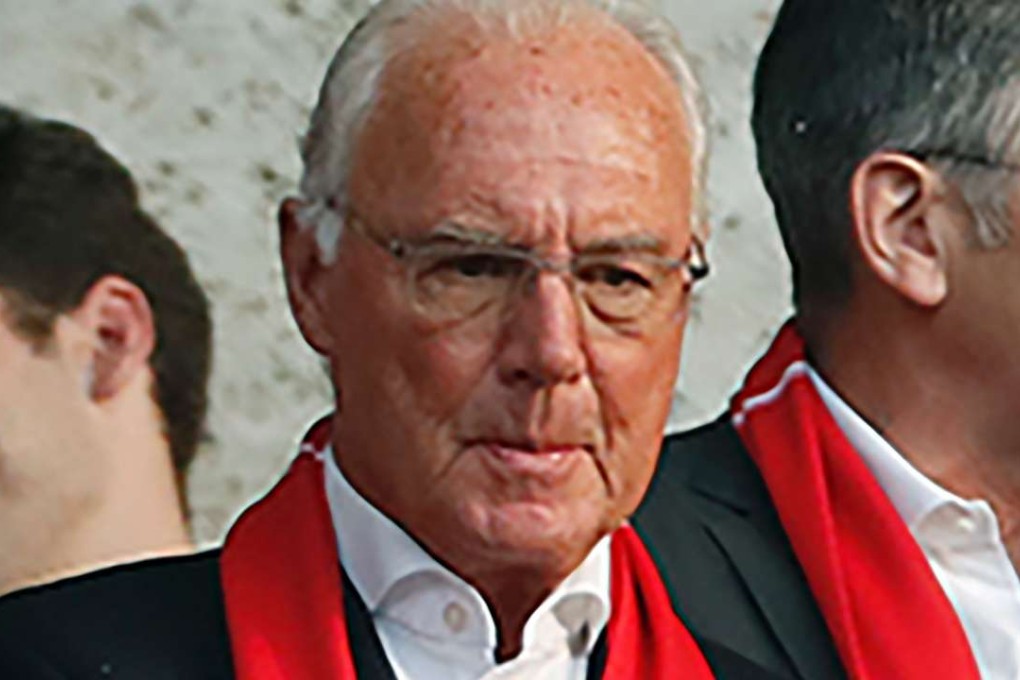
{"x":924,"y":155}
{"x":694,"y":262}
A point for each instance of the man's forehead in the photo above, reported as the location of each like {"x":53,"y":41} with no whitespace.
{"x":579,"y":97}
{"x":591,"y":61}
{"x":567,"y":125}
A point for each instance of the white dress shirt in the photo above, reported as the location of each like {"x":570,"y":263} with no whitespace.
{"x":434,"y":626}
{"x":960,"y":539}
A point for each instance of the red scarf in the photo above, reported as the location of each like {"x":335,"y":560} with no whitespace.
{"x":283,"y":593}
{"x":886,"y":611}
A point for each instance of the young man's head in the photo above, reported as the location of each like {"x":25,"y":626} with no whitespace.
{"x":104,"y":346}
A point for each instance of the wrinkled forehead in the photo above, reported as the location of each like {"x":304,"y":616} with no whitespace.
{"x":583,"y":94}
{"x":587,"y":56}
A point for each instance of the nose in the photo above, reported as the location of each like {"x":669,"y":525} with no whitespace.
{"x":541,"y":338}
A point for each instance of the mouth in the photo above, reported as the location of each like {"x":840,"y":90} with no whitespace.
{"x":547,"y":462}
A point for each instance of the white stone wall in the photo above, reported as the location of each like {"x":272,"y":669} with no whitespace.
{"x":204,"y":100}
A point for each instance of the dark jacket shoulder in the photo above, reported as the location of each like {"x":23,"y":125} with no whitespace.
{"x":710,"y":524}
{"x":157,"y":619}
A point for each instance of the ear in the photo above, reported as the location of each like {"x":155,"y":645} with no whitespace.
{"x":302,"y":271}
{"x":117,"y":318}
{"x":899,"y":225}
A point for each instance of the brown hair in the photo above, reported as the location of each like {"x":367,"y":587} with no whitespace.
{"x":69,"y":215}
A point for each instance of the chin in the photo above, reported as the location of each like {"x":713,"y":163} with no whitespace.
{"x":536,"y":534}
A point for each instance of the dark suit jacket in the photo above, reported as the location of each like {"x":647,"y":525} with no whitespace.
{"x":727,"y":565}
{"x":733,"y":574}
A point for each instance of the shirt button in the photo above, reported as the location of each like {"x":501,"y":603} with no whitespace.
{"x":966,"y":524}
{"x":455,"y":617}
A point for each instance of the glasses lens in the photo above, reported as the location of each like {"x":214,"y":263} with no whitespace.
{"x":622,"y":289}
{"x":456,"y":282}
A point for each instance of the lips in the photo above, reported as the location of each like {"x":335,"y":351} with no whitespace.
{"x":548,"y":462}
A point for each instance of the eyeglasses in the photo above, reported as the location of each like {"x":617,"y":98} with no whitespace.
{"x":451,"y":280}
{"x":925,"y":154}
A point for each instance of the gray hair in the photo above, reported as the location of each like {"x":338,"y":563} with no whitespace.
{"x":837,"y":82}
{"x":984,"y":180}
{"x":349,"y":92}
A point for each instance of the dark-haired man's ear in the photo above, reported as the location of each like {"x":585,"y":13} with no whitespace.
{"x":302,"y":269}
{"x":118,"y":319}
{"x":901,"y":225}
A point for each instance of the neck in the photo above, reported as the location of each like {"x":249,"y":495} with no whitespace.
{"x":133,"y":512}
{"x":513,"y":581}
{"x":512,"y":590}
{"x":513,"y":596}
{"x":943,"y":414}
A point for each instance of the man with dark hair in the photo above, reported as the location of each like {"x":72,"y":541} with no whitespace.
{"x":104,"y":361}
{"x":872,"y":452}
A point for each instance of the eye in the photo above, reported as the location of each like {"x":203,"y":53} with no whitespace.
{"x":475,"y":266}
{"x":614,"y":276}
{"x":470,"y":267}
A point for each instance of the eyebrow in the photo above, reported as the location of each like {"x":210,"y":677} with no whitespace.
{"x":451,"y":230}
{"x":625,"y":244}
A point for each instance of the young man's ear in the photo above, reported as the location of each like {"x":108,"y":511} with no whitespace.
{"x":901,"y":225}
{"x":302,"y":271}
{"x":118,"y":321}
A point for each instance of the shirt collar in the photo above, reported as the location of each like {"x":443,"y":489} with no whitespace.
{"x":378,"y":554}
{"x":913,"y":495}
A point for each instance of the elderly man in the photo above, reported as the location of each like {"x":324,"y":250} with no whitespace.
{"x":874,"y":447}
{"x":104,"y":359}
{"x":493,"y":251}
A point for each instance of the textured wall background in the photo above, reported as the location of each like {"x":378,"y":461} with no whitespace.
{"x":204,"y":100}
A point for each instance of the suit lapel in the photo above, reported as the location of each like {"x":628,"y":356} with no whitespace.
{"x":782,"y":595}
{"x":369,"y":656}
{"x":736,"y":511}
{"x":725,"y":663}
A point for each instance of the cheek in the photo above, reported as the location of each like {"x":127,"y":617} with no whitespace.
{"x":635,"y":380}
{"x":635,"y":384}
{"x":46,"y":432}
{"x":443,"y":369}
